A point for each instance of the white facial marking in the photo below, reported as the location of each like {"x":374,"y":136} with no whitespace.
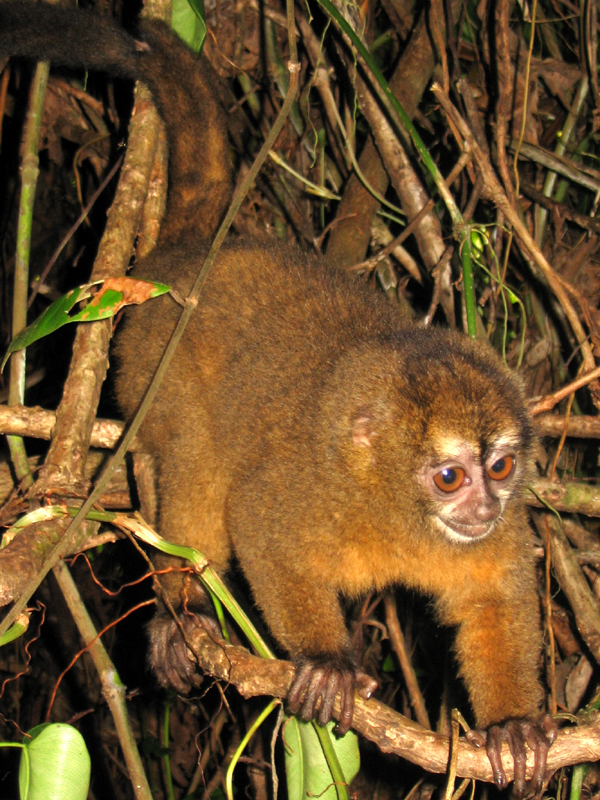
{"x":464,"y":538}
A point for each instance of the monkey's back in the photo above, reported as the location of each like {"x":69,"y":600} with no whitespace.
{"x":247,"y":377}
{"x":270,"y":324}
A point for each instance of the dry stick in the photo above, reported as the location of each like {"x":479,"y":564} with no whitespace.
{"x":584,"y":427}
{"x":399,"y":645}
{"x":77,"y":412}
{"x":504,"y":71}
{"x":371,"y":263}
{"x":552,"y":471}
{"x":113,"y":691}
{"x":551,"y":654}
{"x":526,"y":79}
{"x":408,"y":82}
{"x":497,"y":195}
{"x":453,"y":757}
{"x":409,"y":186}
{"x":575,"y":586}
{"x":38,"y":423}
{"x":573,"y":497}
{"x":563,"y":166}
{"x":540,"y":199}
{"x":117,"y":496}
{"x":548,"y":402}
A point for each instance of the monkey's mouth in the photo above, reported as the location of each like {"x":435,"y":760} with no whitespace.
{"x":458,"y":531}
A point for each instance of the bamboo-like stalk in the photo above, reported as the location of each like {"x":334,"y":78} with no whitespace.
{"x":29,"y":176}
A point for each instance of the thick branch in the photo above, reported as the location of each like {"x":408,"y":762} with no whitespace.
{"x":63,"y":469}
{"x":575,"y":497}
{"x":390,"y":731}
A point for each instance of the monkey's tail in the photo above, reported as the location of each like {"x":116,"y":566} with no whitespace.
{"x":199,"y":165}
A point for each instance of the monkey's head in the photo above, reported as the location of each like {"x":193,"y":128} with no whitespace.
{"x":469,"y":484}
{"x":434,"y":428}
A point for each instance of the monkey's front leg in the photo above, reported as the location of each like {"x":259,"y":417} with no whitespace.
{"x":304,"y":614}
{"x":498,"y":646}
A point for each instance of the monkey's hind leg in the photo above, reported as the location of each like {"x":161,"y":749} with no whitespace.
{"x":191,"y":513}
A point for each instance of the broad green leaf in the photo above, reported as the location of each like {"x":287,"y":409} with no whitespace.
{"x":106,"y":298}
{"x":187,"y":20}
{"x":55,"y":764}
{"x":308,"y":773}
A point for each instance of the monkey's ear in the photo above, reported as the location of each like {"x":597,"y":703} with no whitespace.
{"x":364,"y":426}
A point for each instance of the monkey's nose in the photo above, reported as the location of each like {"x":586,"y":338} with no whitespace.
{"x":487,"y":512}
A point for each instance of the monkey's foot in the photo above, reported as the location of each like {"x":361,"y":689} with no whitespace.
{"x":318,"y":681}
{"x":169,"y":654}
{"x":538,"y":735}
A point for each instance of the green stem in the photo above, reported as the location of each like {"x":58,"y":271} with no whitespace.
{"x":166,"y":757}
{"x":237,"y":755}
{"x":29,"y":176}
{"x":341,"y":785}
{"x":468,"y":286}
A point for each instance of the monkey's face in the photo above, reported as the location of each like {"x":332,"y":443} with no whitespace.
{"x":434,"y":433}
{"x":468,"y":489}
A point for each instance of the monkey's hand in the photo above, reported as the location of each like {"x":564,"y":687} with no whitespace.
{"x":169,"y":654}
{"x":317,"y":683}
{"x":538,"y":735}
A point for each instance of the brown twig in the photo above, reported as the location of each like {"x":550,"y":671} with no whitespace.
{"x":399,"y":645}
{"x":547,"y":403}
{"x":496,"y":194}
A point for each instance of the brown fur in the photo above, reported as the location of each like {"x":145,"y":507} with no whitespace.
{"x":298,"y":414}
{"x":253,"y":439}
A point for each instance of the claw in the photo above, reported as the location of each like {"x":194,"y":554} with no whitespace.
{"x":317,"y":683}
{"x":169,"y":655}
{"x":538,"y":735}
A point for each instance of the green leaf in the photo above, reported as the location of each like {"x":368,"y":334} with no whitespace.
{"x":187,"y":20}
{"x":16,"y":630}
{"x":106,"y":298}
{"x":55,"y":764}
{"x":389,"y":665}
{"x":308,"y":773}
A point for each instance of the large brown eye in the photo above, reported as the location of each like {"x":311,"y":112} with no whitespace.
{"x":450,"y":479}
{"x":502,"y":468}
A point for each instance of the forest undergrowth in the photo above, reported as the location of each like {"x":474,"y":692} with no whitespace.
{"x":481,"y":217}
